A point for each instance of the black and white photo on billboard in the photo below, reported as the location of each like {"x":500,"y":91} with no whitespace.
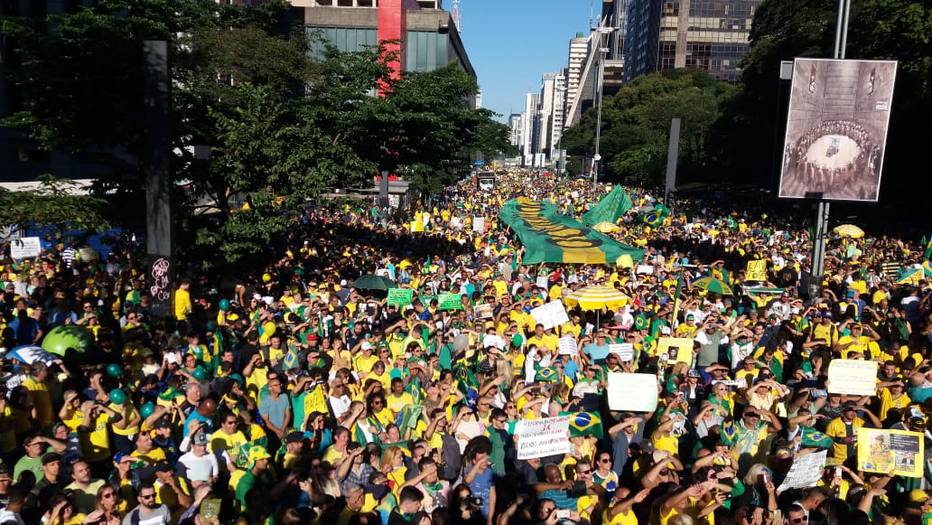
{"x":836,"y":129}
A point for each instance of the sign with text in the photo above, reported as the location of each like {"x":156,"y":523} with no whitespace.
{"x":853,"y":377}
{"x":400,"y":296}
{"x":805,"y":471}
{"x":625,"y":351}
{"x":550,"y":315}
{"x":478,"y":224}
{"x":894,"y":452}
{"x":568,"y":345}
{"x":450,"y":301}
{"x":635,"y":392}
{"x":538,"y":438}
{"x":25,"y":248}
{"x":756,"y":271}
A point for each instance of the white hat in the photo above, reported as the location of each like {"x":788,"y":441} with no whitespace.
{"x":366,"y":345}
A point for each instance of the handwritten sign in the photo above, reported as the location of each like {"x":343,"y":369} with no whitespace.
{"x":25,"y":248}
{"x":400,"y":296}
{"x":804,"y":472}
{"x":568,"y":346}
{"x":895,"y":452}
{"x":678,"y":349}
{"x":853,"y":377}
{"x":478,"y":224}
{"x":624,"y":351}
{"x":636,"y":392}
{"x":756,"y":271}
{"x":538,"y":438}
{"x":550,"y":315}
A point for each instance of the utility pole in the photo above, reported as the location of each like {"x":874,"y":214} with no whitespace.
{"x":822,"y":213}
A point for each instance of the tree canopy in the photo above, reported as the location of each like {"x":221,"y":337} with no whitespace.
{"x":255,"y":114}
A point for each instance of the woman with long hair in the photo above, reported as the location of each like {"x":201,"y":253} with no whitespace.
{"x":109,"y":507}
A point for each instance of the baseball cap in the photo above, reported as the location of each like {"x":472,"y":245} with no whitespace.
{"x":200,"y":438}
{"x":294,"y":437}
{"x":163,"y":466}
{"x":50,"y":458}
{"x":692,"y":373}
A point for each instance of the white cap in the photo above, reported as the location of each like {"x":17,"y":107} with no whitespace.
{"x":366,"y":345}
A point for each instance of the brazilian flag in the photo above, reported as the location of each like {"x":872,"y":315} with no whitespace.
{"x":548,"y":374}
{"x":813,"y":438}
{"x":641,"y":322}
{"x":584,"y":424}
{"x":728,"y":434}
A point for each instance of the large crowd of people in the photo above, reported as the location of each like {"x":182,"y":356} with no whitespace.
{"x":293,"y":393}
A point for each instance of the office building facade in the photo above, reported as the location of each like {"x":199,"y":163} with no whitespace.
{"x":711,"y":35}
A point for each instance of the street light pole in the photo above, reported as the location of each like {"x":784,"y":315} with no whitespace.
{"x":822,"y":213}
{"x":598,"y":116}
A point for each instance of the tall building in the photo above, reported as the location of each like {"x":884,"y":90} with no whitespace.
{"x":559,"y":112}
{"x":579,"y":51}
{"x":517,"y":131}
{"x":675,"y":34}
{"x":530,"y":124}
{"x":427,"y":36}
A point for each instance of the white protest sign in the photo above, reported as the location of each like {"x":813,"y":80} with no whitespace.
{"x":568,"y":345}
{"x":805,"y":471}
{"x":625,"y":351}
{"x":538,"y":438}
{"x":853,"y":377}
{"x":478,"y":224}
{"x":644,"y":269}
{"x":25,"y":247}
{"x":541,"y":282}
{"x":636,"y":392}
{"x":550,"y":315}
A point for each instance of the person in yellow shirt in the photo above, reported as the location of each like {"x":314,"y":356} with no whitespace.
{"x":542,"y":339}
{"x":843,"y":430}
{"x":182,"y":300}
{"x":398,"y":398}
{"x":35,"y":383}
{"x":892,"y":396}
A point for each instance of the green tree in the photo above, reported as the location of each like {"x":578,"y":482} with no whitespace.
{"x":54,"y":203}
{"x":636,"y":124}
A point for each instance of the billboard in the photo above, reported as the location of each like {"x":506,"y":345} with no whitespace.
{"x":836,"y":129}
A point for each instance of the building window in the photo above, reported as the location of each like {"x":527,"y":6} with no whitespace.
{"x":324,"y":2}
{"x":344,"y":3}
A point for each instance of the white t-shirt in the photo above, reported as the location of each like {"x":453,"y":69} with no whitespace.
{"x":200,"y":468}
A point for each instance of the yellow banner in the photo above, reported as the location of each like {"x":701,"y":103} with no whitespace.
{"x":678,"y":349}
{"x":895,"y":452}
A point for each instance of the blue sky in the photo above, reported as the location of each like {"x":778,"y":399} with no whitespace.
{"x":511,"y":43}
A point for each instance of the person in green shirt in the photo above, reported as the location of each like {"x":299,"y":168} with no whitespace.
{"x":258,"y":463}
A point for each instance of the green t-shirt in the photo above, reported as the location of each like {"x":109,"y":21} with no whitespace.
{"x":246,"y":483}
{"x":31,"y":464}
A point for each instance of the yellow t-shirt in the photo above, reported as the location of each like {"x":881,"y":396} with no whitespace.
{"x":622,"y":518}
{"x":835,"y":430}
{"x":152,"y":457}
{"x":39,"y":393}
{"x":887,"y":402}
{"x":396,"y":403}
{"x":182,"y":304}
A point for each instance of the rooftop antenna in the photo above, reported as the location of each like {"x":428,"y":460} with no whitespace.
{"x":456,"y":15}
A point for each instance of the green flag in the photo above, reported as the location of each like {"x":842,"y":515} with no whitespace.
{"x":551,"y":237}
{"x":610,"y":208}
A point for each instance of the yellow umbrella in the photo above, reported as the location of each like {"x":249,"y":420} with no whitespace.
{"x":849,"y":230}
{"x":596,"y":298}
{"x":606,"y":227}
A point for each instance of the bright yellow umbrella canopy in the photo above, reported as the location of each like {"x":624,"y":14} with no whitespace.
{"x":596,"y":298}
{"x":849,"y":230}
{"x":606,"y":227}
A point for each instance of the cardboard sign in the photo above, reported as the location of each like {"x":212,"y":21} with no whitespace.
{"x":25,"y":247}
{"x":624,"y":351}
{"x":756,"y":271}
{"x":568,"y":346}
{"x":450,"y":301}
{"x":804,"y":472}
{"x":853,"y":377}
{"x":538,"y":438}
{"x":542,"y":282}
{"x":678,"y":349}
{"x":550,"y":315}
{"x":635,"y":392}
{"x":894,"y":452}
{"x":400,"y":296}
{"x":478,"y":224}
{"x":644,"y":269}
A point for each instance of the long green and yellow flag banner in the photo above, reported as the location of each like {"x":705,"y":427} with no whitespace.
{"x":551,"y":237}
